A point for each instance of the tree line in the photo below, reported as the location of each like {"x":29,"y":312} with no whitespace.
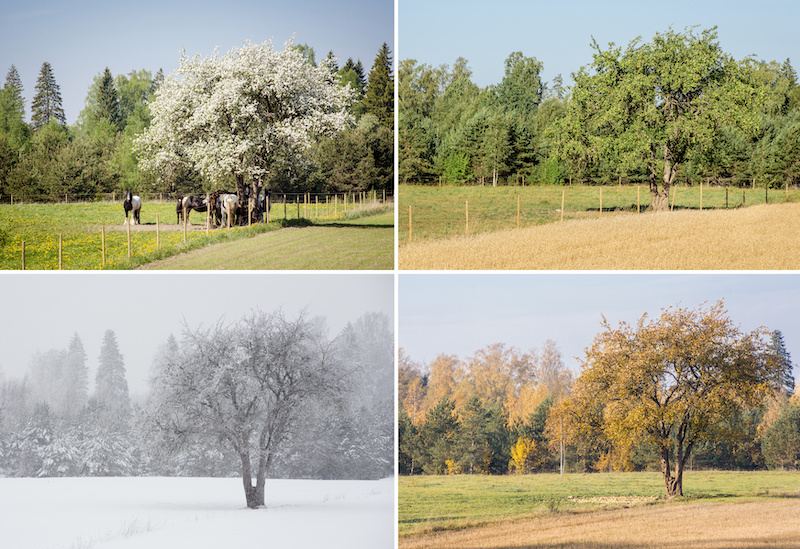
{"x":676,"y":109}
{"x":684,"y":390}
{"x":266,"y":396}
{"x":46,"y":160}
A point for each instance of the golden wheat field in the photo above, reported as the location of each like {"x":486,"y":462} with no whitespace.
{"x":764,"y":237}
{"x":772,"y":524}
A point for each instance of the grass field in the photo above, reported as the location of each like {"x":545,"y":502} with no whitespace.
{"x":441,"y":212}
{"x":760,"y":237}
{"x":599,"y":510}
{"x":80,"y":229}
{"x":364,"y":244}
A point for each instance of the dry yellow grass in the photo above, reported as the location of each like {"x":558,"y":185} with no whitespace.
{"x":765,"y":523}
{"x":756,"y":238}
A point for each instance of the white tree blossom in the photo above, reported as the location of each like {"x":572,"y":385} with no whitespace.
{"x":240,"y":113}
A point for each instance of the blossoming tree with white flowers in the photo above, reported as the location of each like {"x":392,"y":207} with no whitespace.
{"x":242,"y":113}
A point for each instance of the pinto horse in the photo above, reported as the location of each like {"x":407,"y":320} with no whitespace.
{"x":229,"y":204}
{"x":132,"y":203}
{"x":196,"y":203}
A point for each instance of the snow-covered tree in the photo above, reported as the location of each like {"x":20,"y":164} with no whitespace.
{"x":245,"y":387}
{"x":111,"y":387}
{"x":75,"y":380}
{"x":242,"y":113}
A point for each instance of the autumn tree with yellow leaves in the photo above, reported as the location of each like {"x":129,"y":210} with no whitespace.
{"x":671,"y":382}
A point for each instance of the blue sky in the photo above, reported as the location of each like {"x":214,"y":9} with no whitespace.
{"x":460,"y":313}
{"x":81,"y":38}
{"x":559,"y":33}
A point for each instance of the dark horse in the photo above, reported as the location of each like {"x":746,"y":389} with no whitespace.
{"x":132,"y":203}
{"x":196,"y":203}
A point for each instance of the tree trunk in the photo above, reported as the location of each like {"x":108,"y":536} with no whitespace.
{"x":254,"y":495}
{"x":673,"y":479}
{"x":660,"y":197}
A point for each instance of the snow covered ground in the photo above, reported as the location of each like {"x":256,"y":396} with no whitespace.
{"x":160,"y":513}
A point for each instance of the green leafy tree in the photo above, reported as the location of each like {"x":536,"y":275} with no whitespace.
{"x":521,"y":89}
{"x":673,"y":381}
{"x":781,"y":440}
{"x":379,"y":97}
{"x":649,"y":105}
{"x":46,"y":105}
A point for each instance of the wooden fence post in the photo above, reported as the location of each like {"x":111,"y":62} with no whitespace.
{"x":701,"y":195}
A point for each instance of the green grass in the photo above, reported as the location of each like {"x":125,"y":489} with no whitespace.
{"x":366,"y":243}
{"x":439,"y":212}
{"x":434,"y":503}
{"x":80,"y":228}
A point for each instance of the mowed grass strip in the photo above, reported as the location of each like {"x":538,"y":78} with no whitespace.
{"x":481,"y":511}
{"x":753,"y":238}
{"x":362,"y":244}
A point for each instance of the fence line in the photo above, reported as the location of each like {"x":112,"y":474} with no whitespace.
{"x":585,"y":202}
{"x":373,"y":195}
{"x":349,"y":205}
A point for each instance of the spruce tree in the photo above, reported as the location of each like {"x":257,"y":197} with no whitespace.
{"x":379,"y":99}
{"x":76,"y":379}
{"x":12,"y":111}
{"x":47,"y":101}
{"x":787,"y":377}
{"x":111,"y":387}
{"x":108,"y":101}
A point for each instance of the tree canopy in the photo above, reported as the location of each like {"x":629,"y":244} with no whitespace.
{"x":653,"y":105}
{"x":245,"y":114}
{"x":674,"y":381}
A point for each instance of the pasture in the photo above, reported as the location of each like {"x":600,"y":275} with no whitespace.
{"x":76,"y":235}
{"x":442,"y":212}
{"x":720,"y":509}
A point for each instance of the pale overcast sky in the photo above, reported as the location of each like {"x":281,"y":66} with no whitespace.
{"x":461,"y":313}
{"x":559,"y":33}
{"x":81,"y":38}
{"x":42,"y":311}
